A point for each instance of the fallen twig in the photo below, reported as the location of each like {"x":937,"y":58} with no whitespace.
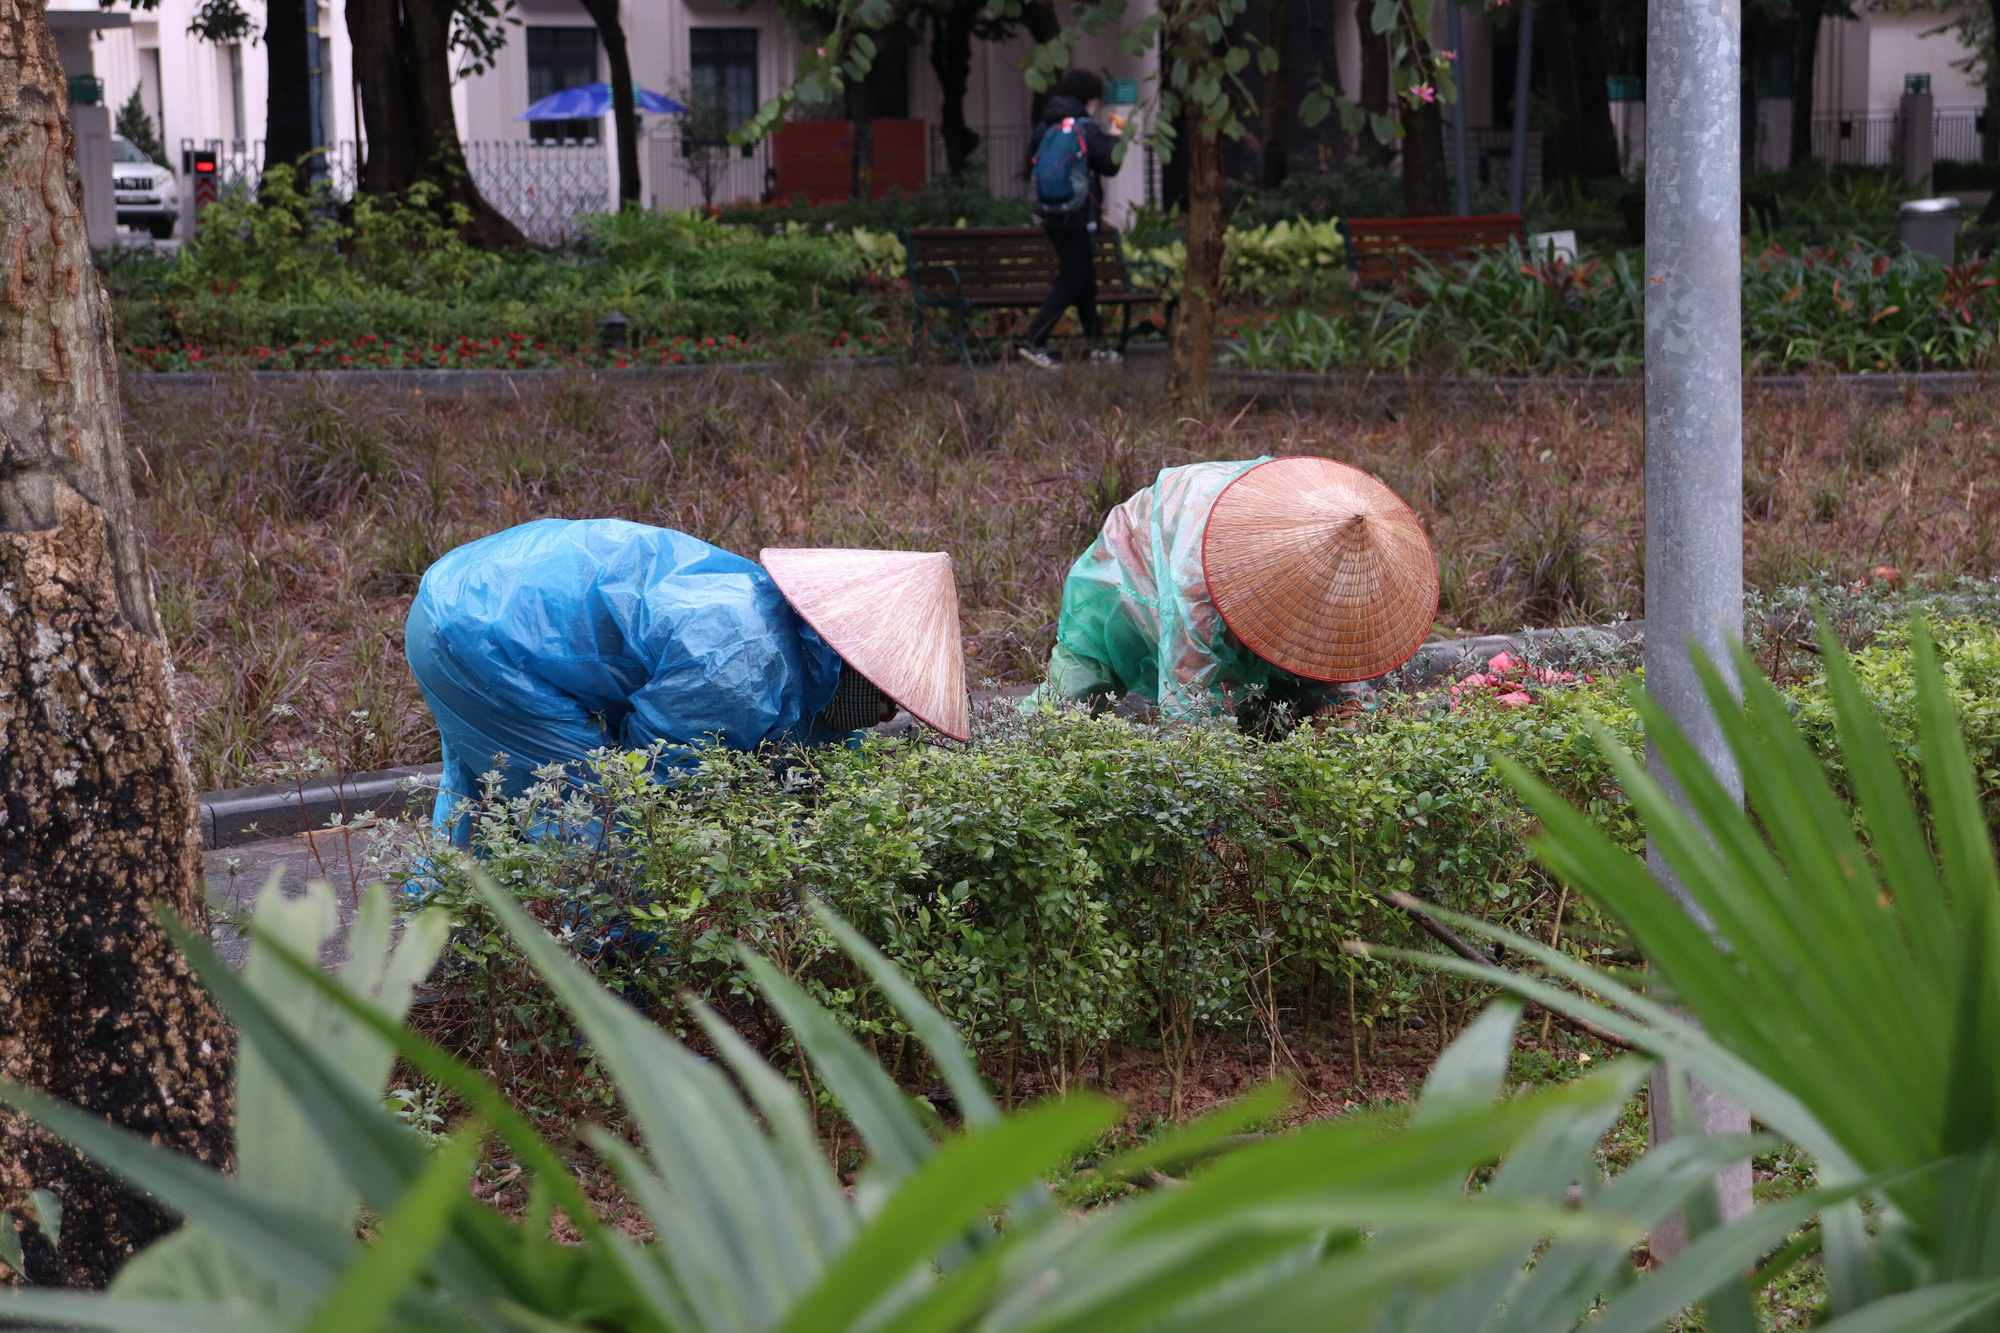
{"x":1419,"y":911}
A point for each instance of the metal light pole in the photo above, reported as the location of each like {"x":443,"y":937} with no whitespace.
{"x":1524,"y":66}
{"x":1694,"y":416}
{"x":1460,"y":168}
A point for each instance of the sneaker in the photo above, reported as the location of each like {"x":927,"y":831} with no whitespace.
{"x":1039,"y":356}
{"x":1110,"y":356}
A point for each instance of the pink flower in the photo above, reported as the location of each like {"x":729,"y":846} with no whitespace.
{"x":1426,"y":93}
{"x":1447,"y":55}
{"x":1502,"y":663}
{"x":1518,"y":699}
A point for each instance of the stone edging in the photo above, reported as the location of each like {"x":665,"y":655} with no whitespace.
{"x":250,"y":814}
{"x":1147,"y":361}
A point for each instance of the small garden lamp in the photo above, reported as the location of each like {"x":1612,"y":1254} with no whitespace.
{"x":613,"y":329}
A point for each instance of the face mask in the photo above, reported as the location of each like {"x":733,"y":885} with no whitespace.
{"x":856,"y":703}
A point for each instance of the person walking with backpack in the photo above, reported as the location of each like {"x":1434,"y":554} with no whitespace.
{"x":1069,"y":166}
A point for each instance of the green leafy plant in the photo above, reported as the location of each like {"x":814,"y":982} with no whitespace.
{"x":1843,"y":990}
{"x":752,"y":1229}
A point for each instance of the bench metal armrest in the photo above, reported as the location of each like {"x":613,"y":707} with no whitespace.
{"x":917,"y":272}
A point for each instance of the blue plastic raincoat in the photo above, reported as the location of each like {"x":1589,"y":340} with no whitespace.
{"x":558,"y":637}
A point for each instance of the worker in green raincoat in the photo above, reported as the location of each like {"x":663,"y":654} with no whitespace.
{"x":1222,"y":580}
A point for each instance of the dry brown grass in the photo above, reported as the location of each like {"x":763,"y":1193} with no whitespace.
{"x":290,"y":525}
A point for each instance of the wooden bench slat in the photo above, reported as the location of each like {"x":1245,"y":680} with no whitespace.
{"x":993,"y":268}
{"x":1380,"y":250}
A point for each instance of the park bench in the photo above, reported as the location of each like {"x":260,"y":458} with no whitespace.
{"x":1381,"y":251}
{"x":958,"y":270}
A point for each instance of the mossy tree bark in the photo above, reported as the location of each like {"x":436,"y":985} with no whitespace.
{"x":97,"y":811}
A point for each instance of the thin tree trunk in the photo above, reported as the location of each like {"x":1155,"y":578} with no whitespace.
{"x":1039,"y":17}
{"x":99,"y":827}
{"x":1201,"y":284}
{"x":1278,"y":98}
{"x":1424,"y":190}
{"x":288,"y":135}
{"x":1807,"y":16}
{"x":1572,"y":39}
{"x":624,"y":111}
{"x":1991,"y":148}
{"x":402,"y":52}
{"x":951,"y":60}
{"x":1374,"y":88}
{"x":861,"y":185}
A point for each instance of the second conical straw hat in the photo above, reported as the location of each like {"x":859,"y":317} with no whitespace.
{"x":892,"y":616}
{"x":1320,"y":569}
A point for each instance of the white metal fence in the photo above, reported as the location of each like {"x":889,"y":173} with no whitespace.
{"x":542,"y":188}
{"x":545,"y":189}
{"x":696,"y":173}
{"x":1875,"y":138}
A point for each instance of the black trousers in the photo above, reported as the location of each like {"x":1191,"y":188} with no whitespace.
{"x":1075,"y":285}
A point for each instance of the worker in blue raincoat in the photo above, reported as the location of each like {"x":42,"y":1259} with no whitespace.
{"x":545,"y":642}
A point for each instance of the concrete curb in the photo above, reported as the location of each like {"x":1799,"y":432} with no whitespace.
{"x":451,"y":383}
{"x":248,"y":814}
{"x":251,"y":814}
{"x":1146,"y":359}
{"x":1295,"y":384}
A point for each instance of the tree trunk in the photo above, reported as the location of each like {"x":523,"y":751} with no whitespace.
{"x":1990,"y":149}
{"x":861,"y":185}
{"x":288,"y":135}
{"x":97,"y":811}
{"x":1278,"y":98}
{"x":402,"y":53}
{"x":1572,"y":38}
{"x":951,"y":60}
{"x":1425,"y":193}
{"x":624,"y":106}
{"x":1039,"y":17}
{"x":1201,"y":284}
{"x":1807,"y":15}
{"x":1753,"y":41}
{"x":1374,"y":89}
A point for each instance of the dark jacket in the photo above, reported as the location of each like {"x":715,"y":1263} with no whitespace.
{"x":1097,"y":145}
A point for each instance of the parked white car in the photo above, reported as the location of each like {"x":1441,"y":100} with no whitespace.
{"x":147,"y":193}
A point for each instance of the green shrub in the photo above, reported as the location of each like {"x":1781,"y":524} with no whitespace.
{"x":1064,"y":882}
{"x":283,"y":267}
{"x":1069,"y":881}
{"x":1849,"y":309}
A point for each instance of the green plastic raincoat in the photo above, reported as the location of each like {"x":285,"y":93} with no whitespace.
{"x":1136,"y":615}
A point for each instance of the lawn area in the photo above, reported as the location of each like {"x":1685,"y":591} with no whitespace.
{"x":290,"y":525}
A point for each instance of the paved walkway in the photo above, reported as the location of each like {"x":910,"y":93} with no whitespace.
{"x":238,"y":875}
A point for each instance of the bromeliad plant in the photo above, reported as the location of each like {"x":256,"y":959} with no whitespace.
{"x":1847,"y":994}
{"x":1334,"y":1224}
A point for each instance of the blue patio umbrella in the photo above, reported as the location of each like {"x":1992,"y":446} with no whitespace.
{"x":594,"y":99}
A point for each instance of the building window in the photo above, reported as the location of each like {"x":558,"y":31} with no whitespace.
{"x":723,"y":75}
{"x":560,"y":59}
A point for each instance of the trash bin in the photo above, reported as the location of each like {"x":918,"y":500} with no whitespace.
{"x":1930,"y":227}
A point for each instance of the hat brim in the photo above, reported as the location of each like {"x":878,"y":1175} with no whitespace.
{"x":1321,"y":569}
{"x":890,"y":615}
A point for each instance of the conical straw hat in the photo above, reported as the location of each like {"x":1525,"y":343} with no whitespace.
{"x":1320,"y":569}
{"x":892,"y":616}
